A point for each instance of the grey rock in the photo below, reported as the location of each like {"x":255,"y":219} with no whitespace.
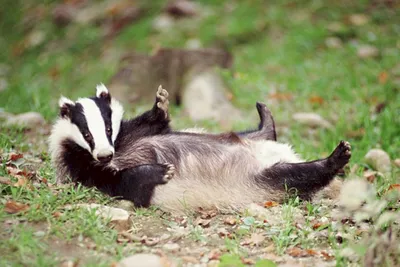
{"x":28,"y":120}
{"x":379,"y":160}
{"x":142,"y":260}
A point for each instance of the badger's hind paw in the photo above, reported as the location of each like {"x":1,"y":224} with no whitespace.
{"x":169,"y":172}
{"x":162,"y":100}
{"x":342,"y":154}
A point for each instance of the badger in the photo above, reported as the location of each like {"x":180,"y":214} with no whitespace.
{"x":144,"y":161}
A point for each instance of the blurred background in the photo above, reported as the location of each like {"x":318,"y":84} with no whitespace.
{"x":328,"y":70}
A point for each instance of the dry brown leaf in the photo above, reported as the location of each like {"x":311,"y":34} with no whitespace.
{"x":383,"y":77}
{"x":4,"y":180}
{"x":13,"y":207}
{"x":327,"y":256}
{"x":57,"y":214}
{"x":214,"y":254}
{"x":15,"y":156}
{"x":202,"y":222}
{"x":356,"y":133}
{"x":316,"y":100}
{"x":131,"y":237}
{"x":394,"y":187}
{"x":298,"y":252}
{"x":317,"y":225}
{"x":190,"y":259}
{"x":222,"y":232}
{"x":270,"y":204}
{"x":370,"y":175}
{"x":230,"y":221}
{"x":281,"y":96}
{"x":248,"y":261}
{"x":54,"y":73}
{"x":22,"y":181}
{"x":207,"y":214}
{"x":257,"y":239}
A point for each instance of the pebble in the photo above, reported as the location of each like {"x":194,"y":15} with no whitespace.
{"x":312,"y":120}
{"x":142,"y":260}
{"x":29,"y":120}
{"x":367,"y":51}
{"x":379,"y":160}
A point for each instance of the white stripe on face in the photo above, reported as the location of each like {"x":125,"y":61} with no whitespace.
{"x":116,"y":117}
{"x":96,"y":126}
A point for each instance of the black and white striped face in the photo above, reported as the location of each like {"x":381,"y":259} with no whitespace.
{"x":92,"y":123}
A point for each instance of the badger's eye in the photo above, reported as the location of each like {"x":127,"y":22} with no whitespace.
{"x":108,"y":131}
{"x":87,"y":136}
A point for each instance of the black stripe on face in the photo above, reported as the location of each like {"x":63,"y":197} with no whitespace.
{"x":106,"y":112}
{"x":78,"y":118}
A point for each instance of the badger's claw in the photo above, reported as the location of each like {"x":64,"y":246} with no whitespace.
{"x":162,"y":100}
{"x":169,"y":172}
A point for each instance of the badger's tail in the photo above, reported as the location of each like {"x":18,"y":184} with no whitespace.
{"x":305,"y":178}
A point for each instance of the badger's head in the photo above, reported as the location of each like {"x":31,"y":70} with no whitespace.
{"x":92,"y":123}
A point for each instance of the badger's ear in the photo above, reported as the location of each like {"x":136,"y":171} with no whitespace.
{"x":102,"y":92}
{"x":65,"y":105}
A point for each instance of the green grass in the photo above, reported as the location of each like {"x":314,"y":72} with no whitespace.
{"x":278,"y":46}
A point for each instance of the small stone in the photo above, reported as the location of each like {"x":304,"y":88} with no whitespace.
{"x":333,"y":42}
{"x":358,"y":19}
{"x":171,"y":247}
{"x":213,"y":263}
{"x":142,"y":260}
{"x":182,"y":8}
{"x":190,"y":259}
{"x":379,"y":160}
{"x":29,"y":120}
{"x":125,"y":205}
{"x":397,"y":163}
{"x":35,"y":38}
{"x":367,"y":51}
{"x":39,"y":233}
{"x":163,"y":23}
{"x":3,"y":84}
{"x":119,"y":218}
{"x":312,"y":120}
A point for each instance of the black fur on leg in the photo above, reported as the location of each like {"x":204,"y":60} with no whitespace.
{"x":137,"y":184}
{"x":307,"y":177}
{"x":266,"y":127}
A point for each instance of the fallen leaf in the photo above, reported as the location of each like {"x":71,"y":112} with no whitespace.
{"x":370,"y":175}
{"x":151,"y":241}
{"x":57,"y":214}
{"x":190,"y":259}
{"x":319,"y":225}
{"x":214,"y":254}
{"x":15,"y":156}
{"x":5,"y":180}
{"x":383,"y":77}
{"x":54,"y":73}
{"x":298,"y":252}
{"x":281,"y":96}
{"x":22,"y":181}
{"x":270,"y":204}
{"x":380,"y":107}
{"x":222,"y":232}
{"x":13,"y":207}
{"x":327,"y":256}
{"x":394,"y":187}
{"x":356,"y":133}
{"x":230,"y":221}
{"x":202,"y":222}
{"x":248,"y":261}
{"x":131,"y":237}
{"x":256,"y":239}
{"x":316,"y":100}
{"x":207,"y":214}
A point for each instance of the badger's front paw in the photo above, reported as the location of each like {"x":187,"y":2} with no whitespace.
{"x":162,"y":100}
{"x":169,"y":173}
{"x":341,"y":155}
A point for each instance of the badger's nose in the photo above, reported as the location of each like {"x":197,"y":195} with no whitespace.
{"x":105,"y":156}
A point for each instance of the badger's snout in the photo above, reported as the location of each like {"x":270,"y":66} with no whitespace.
{"x":105,"y":156}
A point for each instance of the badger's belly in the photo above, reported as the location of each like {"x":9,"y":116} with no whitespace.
{"x":224,"y":179}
